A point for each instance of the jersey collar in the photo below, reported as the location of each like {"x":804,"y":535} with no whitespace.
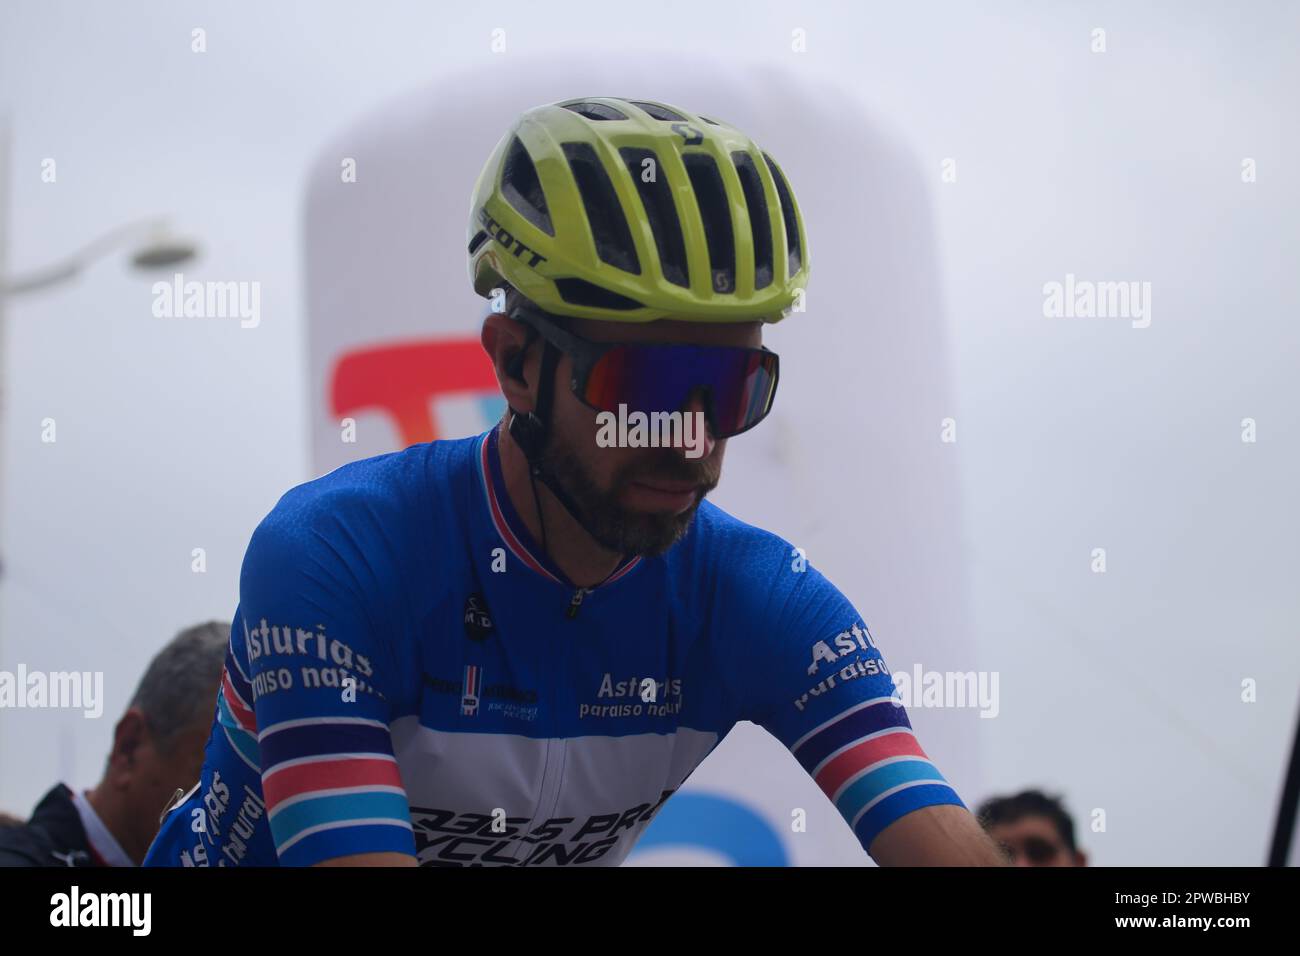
{"x":510,"y":526}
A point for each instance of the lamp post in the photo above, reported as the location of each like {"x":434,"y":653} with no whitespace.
{"x":155,"y":246}
{"x":151,"y":242}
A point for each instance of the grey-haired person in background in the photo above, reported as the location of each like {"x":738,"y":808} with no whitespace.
{"x":157,"y":749}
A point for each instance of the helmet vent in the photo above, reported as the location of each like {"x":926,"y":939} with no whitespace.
{"x":712,"y":200}
{"x":523,"y":190}
{"x":710,"y":121}
{"x":760,"y":225}
{"x":479,"y":238}
{"x":582,"y":292}
{"x":661,"y":211}
{"x":604,"y":214}
{"x":793,"y":240}
{"x":659,"y":112}
{"x":595,"y":111}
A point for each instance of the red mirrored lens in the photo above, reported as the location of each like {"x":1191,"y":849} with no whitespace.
{"x":737,"y":385}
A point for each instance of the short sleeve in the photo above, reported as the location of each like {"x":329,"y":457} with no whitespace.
{"x":821,"y":687}
{"x":315,"y":688}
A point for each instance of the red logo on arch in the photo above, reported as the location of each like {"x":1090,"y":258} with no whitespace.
{"x":402,"y":380}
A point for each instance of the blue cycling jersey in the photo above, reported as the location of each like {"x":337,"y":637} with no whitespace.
{"x":408,"y":672}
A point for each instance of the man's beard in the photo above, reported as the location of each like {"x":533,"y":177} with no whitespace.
{"x":611,"y":524}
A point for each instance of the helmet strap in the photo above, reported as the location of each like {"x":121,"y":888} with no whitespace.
{"x":529,"y":430}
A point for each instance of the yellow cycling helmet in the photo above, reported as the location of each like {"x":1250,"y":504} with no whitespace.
{"x":631,"y":211}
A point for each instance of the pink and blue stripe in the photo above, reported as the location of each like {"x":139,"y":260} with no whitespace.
{"x":332,"y":787}
{"x":871,"y":766}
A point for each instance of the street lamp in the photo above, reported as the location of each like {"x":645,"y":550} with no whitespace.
{"x":153,"y":243}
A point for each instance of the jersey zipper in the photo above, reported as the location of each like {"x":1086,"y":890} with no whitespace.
{"x":575,"y":603}
{"x":550,"y":784}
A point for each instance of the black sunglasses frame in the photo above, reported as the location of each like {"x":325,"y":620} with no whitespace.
{"x":586,"y":353}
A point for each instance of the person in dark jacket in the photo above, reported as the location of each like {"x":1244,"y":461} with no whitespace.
{"x":157,"y":750}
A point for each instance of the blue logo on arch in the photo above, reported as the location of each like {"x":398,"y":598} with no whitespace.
{"x":717,"y":824}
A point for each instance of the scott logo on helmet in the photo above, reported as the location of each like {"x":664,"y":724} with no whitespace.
{"x":507,"y":239}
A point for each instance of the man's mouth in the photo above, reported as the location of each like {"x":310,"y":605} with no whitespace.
{"x":658,"y":495}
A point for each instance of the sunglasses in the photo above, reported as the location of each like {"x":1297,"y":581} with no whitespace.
{"x":737,"y":385}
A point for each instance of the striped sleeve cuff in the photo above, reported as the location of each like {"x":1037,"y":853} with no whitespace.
{"x":332,"y":788}
{"x":871,"y":766}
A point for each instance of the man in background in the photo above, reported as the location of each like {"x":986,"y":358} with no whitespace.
{"x":157,"y":749}
{"x":1033,"y":829}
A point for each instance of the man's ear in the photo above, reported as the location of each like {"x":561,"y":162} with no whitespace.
{"x":505,"y":342}
{"x":128,"y":739}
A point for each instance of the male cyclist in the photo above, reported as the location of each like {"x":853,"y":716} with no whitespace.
{"x":511,"y":649}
